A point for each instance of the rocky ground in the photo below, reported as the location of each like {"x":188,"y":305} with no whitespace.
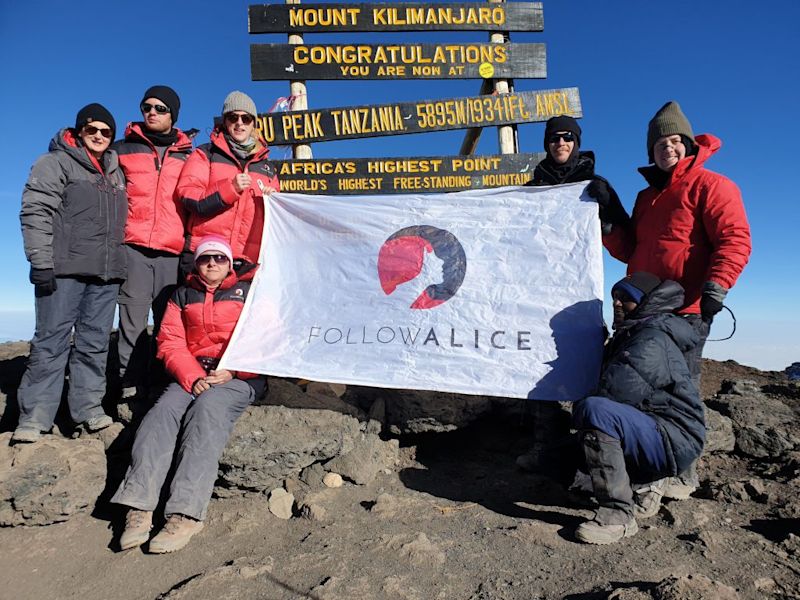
{"x":400,"y":495}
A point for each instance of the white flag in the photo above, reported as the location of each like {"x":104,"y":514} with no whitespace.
{"x":495,"y":292}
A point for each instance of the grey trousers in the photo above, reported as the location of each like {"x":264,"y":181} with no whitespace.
{"x":88,"y":306}
{"x":152,"y":277}
{"x":194,"y":431}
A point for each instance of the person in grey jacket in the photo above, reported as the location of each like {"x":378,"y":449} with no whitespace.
{"x":73,"y":215}
{"x":646,"y":422}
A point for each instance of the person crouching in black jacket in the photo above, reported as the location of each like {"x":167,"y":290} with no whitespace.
{"x":646,"y":422}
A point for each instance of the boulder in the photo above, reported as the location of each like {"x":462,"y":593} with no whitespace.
{"x":719,"y":433}
{"x":412,"y":411}
{"x":693,"y":587}
{"x":273,"y":443}
{"x":762,"y":425}
{"x":317,"y":396}
{"x":369,"y":456}
{"x":49,"y":481}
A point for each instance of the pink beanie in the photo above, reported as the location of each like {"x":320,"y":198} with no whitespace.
{"x":213,"y":243}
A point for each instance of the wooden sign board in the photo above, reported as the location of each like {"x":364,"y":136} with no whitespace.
{"x":395,"y":16}
{"x":427,"y":174}
{"x":350,"y":122}
{"x":397,"y":61}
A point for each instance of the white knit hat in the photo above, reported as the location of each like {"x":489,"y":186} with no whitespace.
{"x":213,"y":243}
{"x":239,"y":101}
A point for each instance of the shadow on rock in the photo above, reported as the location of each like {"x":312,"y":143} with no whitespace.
{"x":477,"y":465}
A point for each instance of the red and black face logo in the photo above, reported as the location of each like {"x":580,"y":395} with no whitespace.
{"x":402,"y":256}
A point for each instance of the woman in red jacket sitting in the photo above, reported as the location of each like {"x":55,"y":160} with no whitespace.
{"x":194,"y":417}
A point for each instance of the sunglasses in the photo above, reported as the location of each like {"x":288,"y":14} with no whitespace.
{"x":104,"y":131}
{"x":567,"y":137}
{"x":204,"y":259}
{"x":159,"y":108}
{"x":233,"y":118}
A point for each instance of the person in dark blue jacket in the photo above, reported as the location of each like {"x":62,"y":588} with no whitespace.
{"x":646,"y":422}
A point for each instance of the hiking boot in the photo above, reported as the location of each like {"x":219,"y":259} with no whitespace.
{"x":594,"y":532}
{"x":684,"y":485}
{"x":177,"y":532}
{"x":138,"y":524}
{"x":26,"y":434}
{"x":98,"y":423}
{"x":647,"y":499}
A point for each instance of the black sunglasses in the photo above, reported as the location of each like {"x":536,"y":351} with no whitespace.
{"x":104,"y":131}
{"x":233,"y":117}
{"x":147,"y":107}
{"x":204,"y":259}
{"x":567,"y":137}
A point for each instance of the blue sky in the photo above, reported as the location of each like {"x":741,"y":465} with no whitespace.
{"x":731,"y":65}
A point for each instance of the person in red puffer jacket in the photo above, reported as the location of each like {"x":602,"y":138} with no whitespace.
{"x":689,"y":225}
{"x":152,"y":156}
{"x":195,"y":414}
{"x":225,"y":182}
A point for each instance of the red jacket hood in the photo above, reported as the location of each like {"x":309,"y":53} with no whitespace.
{"x":707,"y":145}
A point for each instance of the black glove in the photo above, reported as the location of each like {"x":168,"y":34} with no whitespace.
{"x":44,"y":280}
{"x":186,"y":264}
{"x":611,"y":209}
{"x":709,"y":307}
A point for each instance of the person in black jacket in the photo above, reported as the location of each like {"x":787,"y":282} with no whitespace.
{"x":646,"y":422}
{"x":565,"y":163}
{"x":73,"y":221}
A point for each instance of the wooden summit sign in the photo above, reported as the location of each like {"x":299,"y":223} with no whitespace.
{"x":425,"y":174}
{"x":397,"y":16}
{"x":348,"y":122}
{"x":397,"y":61}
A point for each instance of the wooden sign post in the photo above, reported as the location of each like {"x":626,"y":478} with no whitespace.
{"x":395,"y":16}
{"x":497,"y":63}
{"x":426,"y":174}
{"x":350,"y":122}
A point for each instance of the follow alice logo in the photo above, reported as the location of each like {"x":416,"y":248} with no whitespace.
{"x":403,"y":255}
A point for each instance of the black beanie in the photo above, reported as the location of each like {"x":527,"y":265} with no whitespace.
{"x":562,"y":123}
{"x":168,"y":96}
{"x":95,"y":112}
{"x":637,"y":285}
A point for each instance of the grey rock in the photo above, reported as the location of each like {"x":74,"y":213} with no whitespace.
{"x":312,"y":476}
{"x":409,"y":411}
{"x":759,"y":442}
{"x":719,"y":433}
{"x":693,"y":587}
{"x":313,"y":512}
{"x":281,"y":503}
{"x":285,"y":393}
{"x":273,"y":443}
{"x":763,"y":426}
{"x":332,"y":480}
{"x":369,"y":456}
{"x":49,"y":481}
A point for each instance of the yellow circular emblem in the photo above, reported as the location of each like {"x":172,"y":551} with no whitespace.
{"x":486,"y":70}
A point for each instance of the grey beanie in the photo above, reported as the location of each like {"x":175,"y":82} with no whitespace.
{"x":237,"y":100}
{"x":669,"y":120}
